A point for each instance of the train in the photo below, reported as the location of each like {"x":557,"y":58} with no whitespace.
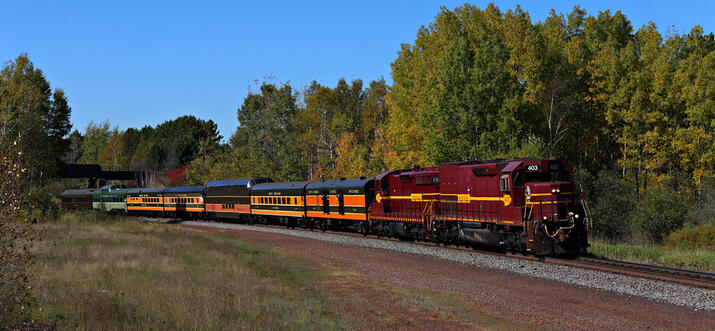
{"x":522,"y":205}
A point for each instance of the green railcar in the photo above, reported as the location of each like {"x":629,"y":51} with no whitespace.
{"x":110,"y":198}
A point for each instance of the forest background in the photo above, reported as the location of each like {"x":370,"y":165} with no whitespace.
{"x":631,"y":109}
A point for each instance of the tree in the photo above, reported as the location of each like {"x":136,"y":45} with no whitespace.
{"x":177,"y":140}
{"x":96,"y":137}
{"x":75,"y":149}
{"x":15,"y":241}
{"x":350,"y":161}
{"x":266,"y":141}
{"x":115,"y":154}
{"x":212,"y":162}
{"x":33,"y":116}
{"x":347,"y":112}
{"x":458,"y":81}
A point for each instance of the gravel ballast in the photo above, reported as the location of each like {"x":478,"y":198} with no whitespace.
{"x":696,"y":298}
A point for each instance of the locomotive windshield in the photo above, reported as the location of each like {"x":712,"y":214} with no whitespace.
{"x":545,"y":177}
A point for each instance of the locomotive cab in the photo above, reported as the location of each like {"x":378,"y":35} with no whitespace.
{"x":553,"y":217}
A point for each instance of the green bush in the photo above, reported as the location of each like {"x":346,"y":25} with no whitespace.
{"x":39,"y":203}
{"x":693,"y":236}
{"x":661,"y":211}
{"x":611,"y":201}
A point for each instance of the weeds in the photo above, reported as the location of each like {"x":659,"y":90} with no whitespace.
{"x":129,"y":275}
{"x":702,"y":259}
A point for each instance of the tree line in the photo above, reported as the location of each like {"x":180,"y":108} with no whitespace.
{"x":169,"y":145}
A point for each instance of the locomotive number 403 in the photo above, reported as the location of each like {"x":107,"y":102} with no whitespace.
{"x":533,"y":167}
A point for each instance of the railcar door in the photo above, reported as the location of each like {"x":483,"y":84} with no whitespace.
{"x":326,"y":203}
{"x":341,"y":203}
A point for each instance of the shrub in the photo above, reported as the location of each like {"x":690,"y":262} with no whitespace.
{"x":39,"y":203}
{"x":660,"y":212}
{"x":693,"y":236}
{"x":15,"y":237}
{"x":703,"y":210}
{"x":611,"y":201}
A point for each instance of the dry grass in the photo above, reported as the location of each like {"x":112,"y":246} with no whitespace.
{"x":99,"y":272}
{"x":696,"y":259}
{"x":129,"y":275}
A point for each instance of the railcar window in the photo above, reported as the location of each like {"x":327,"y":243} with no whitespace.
{"x":405,"y":178}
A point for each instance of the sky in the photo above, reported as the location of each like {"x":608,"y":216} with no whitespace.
{"x":137,"y":63}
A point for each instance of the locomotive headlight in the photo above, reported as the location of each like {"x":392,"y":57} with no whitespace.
{"x":576,"y":215}
{"x":553,"y":191}
{"x":558,"y":190}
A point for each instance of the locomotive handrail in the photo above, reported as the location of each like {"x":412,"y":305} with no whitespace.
{"x":573,"y":224}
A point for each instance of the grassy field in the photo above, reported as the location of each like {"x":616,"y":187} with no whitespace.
{"x":695,"y":259}
{"x":98,"y":272}
{"x":127,"y":275}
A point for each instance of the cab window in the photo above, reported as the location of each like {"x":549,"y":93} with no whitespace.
{"x":504,"y":183}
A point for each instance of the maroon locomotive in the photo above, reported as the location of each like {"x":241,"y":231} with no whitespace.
{"x":526,"y":205}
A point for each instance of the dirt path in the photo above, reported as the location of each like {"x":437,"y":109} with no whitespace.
{"x":491,"y":294}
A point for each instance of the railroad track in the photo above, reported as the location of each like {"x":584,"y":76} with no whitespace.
{"x":674,"y":275}
{"x":682,"y":276}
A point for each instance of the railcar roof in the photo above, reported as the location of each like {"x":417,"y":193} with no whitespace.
{"x":185,"y":189}
{"x":145,"y":190}
{"x":120,"y":191}
{"x":77,"y":192}
{"x":339,"y":183}
{"x":244,"y":182}
{"x":280,"y":186}
{"x":493,"y":161}
{"x":229,"y":182}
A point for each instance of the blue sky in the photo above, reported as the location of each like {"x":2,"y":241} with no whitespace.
{"x":139,"y":63}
